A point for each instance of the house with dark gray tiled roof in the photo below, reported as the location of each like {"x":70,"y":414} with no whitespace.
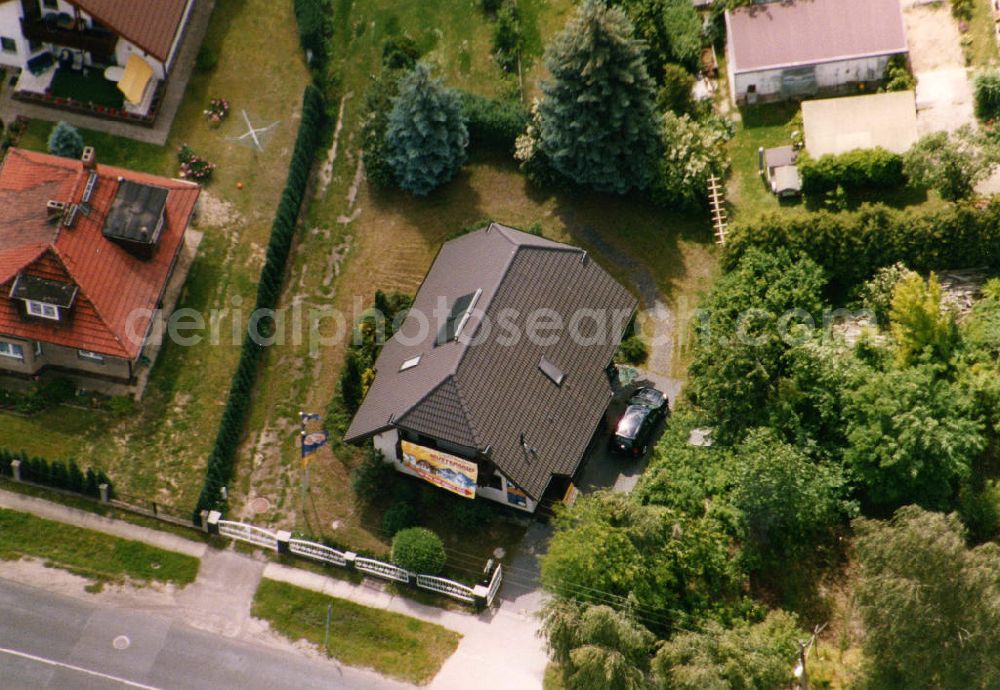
{"x":499,"y":376}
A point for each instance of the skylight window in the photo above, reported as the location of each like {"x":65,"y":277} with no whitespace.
{"x":460,"y":311}
{"x":554,"y":373}
{"x":410,"y":363}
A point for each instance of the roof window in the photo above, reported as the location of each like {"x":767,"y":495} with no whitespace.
{"x":410,"y":363}
{"x":554,"y":373}
{"x":460,"y":311}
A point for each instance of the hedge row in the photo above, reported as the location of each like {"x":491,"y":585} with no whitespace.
{"x":220,"y":463}
{"x":492,"y":122}
{"x":59,"y":474}
{"x":855,"y":170}
{"x":312,"y":18}
{"x":852,"y":246}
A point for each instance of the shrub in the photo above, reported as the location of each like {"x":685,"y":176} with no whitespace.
{"x":56,"y":391}
{"x":378,"y":103}
{"x":399,"y":516}
{"x":490,"y":7}
{"x":60,"y":474}
{"x":65,"y":141}
{"x":507,"y":38}
{"x":493,"y":123}
{"x":675,"y":90}
{"x":962,"y":9}
{"x":632,"y":350}
{"x":855,"y":170}
{"x":987,"y":94}
{"x":400,"y":53}
{"x":370,"y":479}
{"x":207,"y":59}
{"x":898,"y":76}
{"x":418,"y":550}
{"x":980,"y":511}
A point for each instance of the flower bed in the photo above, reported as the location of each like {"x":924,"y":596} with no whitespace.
{"x":217,"y":111}
{"x":193,"y":166}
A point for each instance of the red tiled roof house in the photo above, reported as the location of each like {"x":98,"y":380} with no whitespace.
{"x":86,"y":254}
{"x":797,"y":48}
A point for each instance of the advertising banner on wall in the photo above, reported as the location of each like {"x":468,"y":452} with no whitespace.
{"x":441,"y":469}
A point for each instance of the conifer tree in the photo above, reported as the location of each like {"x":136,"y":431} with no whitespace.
{"x":65,"y":141}
{"x":426,"y":137}
{"x":597,"y":118}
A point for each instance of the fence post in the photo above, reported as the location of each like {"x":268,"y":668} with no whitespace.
{"x":213,"y":521}
{"x":349,"y":556}
{"x":480,"y":594}
{"x":104,"y":492}
{"x":204,"y":521}
{"x":15,"y":467}
{"x":282,"y":537}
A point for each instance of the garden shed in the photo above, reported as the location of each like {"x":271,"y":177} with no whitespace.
{"x":786,"y":50}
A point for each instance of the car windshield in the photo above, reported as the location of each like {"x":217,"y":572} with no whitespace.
{"x":648,"y":396}
{"x":629,"y":425}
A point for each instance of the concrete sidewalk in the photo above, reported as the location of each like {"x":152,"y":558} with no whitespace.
{"x":500,"y":648}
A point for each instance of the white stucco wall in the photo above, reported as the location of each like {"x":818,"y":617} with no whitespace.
{"x":10,"y":27}
{"x":126,"y":48}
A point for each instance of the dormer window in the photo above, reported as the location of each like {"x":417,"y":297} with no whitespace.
{"x":43,"y":298}
{"x":42,"y":309}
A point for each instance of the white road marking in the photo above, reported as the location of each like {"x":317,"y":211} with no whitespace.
{"x":71,"y":667}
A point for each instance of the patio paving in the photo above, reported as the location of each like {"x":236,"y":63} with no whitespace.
{"x":176,"y":88}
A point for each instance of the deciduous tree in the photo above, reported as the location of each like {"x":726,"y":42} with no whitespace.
{"x":930,"y":606}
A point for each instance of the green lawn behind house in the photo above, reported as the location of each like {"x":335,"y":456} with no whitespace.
{"x":96,"y":556}
{"x":390,"y":643}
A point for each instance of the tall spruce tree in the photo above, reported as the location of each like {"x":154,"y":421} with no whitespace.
{"x":597,"y":118}
{"x":426,"y":137}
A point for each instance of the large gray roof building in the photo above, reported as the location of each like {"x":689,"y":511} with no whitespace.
{"x":475,"y":371}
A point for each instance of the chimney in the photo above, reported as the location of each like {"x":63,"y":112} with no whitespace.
{"x":89,"y":158}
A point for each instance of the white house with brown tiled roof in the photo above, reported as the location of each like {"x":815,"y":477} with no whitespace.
{"x":498,"y":377}
{"x":797,"y":48}
{"x":131,"y":43}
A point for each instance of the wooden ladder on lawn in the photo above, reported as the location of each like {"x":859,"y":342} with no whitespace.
{"x":717,"y":200}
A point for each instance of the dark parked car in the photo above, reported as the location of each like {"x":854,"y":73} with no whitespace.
{"x":646,"y":408}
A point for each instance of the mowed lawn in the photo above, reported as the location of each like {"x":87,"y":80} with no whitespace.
{"x":387,"y":240}
{"x":96,"y":556}
{"x":390,"y":643}
{"x":159,"y":453}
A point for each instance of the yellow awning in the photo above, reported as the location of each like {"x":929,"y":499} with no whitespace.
{"x":137,"y":75}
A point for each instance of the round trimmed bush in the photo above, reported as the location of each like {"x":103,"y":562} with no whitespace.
{"x":418,"y":550}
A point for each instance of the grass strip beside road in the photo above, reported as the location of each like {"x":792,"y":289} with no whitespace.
{"x":390,"y":643}
{"x":99,"y":557}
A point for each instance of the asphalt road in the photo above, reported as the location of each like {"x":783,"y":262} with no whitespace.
{"x":53,"y":641}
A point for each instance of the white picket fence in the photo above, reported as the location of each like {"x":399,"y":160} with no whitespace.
{"x":387,"y":571}
{"x":380,"y":569}
{"x":447,"y":587}
{"x":250,"y":533}
{"x":317,"y":552}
